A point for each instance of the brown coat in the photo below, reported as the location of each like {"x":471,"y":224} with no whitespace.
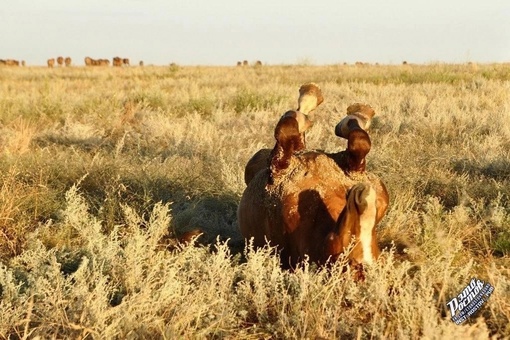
{"x":310,"y":203}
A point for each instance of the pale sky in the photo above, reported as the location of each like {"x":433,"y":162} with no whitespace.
{"x":221,"y":32}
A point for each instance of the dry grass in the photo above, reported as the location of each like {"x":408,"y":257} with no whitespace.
{"x":103,"y":168}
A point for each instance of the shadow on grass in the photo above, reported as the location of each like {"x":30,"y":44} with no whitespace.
{"x":498,"y":170}
{"x":193,"y":209}
{"x":470,"y":180}
{"x":196,"y":201}
{"x":488,"y":181}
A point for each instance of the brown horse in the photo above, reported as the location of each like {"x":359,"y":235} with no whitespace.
{"x":314,"y":204}
{"x":9,"y":62}
{"x":117,"y":61}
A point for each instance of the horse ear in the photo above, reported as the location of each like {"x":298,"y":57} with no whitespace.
{"x":288,"y":140}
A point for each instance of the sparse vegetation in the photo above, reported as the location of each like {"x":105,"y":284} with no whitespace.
{"x":103,"y":168}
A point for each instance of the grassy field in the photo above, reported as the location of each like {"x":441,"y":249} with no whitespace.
{"x":102,"y":169}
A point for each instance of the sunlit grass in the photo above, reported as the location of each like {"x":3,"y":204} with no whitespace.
{"x":103,"y":169}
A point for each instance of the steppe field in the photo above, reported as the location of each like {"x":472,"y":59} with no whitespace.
{"x":103,"y":169}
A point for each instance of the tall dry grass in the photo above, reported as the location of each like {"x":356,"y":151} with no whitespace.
{"x":102,"y":169}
